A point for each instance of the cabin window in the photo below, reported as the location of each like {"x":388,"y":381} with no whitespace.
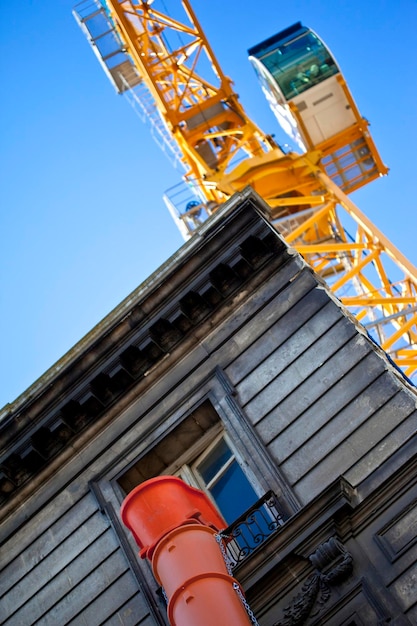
{"x":299,"y":64}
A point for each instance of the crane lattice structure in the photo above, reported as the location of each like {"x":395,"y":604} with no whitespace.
{"x":165,"y":65}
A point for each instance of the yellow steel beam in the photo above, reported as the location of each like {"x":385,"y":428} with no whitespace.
{"x":210,"y":127}
{"x":357,"y":271}
{"x":376,"y":300}
{"x":372,"y":231}
{"x":358,"y":267}
{"x":408,"y":325}
{"x":326,"y":248}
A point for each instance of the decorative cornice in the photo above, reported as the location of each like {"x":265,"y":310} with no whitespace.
{"x":125,"y":354}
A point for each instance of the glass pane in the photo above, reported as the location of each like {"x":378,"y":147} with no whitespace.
{"x":233,"y":493}
{"x":214,"y":461}
{"x":300,"y":64}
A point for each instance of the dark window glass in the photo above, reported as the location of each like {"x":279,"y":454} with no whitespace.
{"x":225,"y":480}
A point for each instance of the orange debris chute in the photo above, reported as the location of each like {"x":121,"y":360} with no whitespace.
{"x":175,"y":527}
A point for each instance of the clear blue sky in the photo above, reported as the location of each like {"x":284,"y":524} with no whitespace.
{"x":82,"y":220}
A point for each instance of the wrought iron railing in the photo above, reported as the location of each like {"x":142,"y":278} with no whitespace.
{"x":251,"y":529}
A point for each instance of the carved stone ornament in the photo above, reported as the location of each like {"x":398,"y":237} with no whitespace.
{"x":333,"y":564}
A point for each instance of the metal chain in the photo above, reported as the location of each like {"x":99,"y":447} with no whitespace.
{"x":236,"y":586}
{"x":245,"y":603}
{"x":219,"y":538}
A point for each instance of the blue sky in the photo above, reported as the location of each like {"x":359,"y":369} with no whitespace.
{"x":82,"y":221}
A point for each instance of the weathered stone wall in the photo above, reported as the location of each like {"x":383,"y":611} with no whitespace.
{"x":239,"y":321}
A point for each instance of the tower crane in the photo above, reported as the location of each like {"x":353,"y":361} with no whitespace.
{"x":164,"y":64}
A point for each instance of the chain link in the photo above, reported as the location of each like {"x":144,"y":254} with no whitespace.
{"x":219,"y":538}
{"x":245,"y":603}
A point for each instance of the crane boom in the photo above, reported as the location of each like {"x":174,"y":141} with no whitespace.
{"x":169,"y":59}
{"x":202,"y":112}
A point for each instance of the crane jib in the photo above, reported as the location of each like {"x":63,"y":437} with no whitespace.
{"x":164,"y":64}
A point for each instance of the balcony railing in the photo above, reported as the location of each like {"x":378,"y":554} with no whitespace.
{"x":251,"y":529}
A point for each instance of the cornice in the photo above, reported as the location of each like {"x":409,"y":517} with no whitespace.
{"x":134,"y":342}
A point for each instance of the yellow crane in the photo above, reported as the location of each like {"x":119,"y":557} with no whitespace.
{"x":165,"y":65}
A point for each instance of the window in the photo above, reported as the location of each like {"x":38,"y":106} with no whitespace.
{"x":177,"y":445}
{"x":218,"y":473}
{"x":220,"y":456}
{"x":203,"y":436}
{"x":250,"y":520}
{"x":199,"y":451}
{"x":299,"y":63}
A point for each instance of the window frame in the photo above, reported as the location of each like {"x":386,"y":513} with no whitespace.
{"x":190,"y":474}
{"x":156,"y":420}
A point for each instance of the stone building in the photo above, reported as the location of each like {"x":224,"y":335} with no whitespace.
{"x":232,"y":356}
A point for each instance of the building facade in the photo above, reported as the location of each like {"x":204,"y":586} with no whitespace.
{"x":234,"y":368}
